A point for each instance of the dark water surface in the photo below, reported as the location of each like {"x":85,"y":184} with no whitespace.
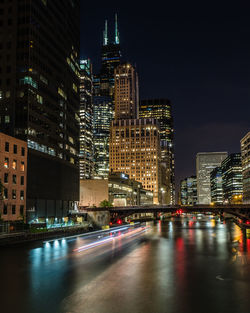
{"x":189,"y":264}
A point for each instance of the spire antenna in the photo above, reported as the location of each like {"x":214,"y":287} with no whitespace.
{"x":117,"y":36}
{"x":105,"y":34}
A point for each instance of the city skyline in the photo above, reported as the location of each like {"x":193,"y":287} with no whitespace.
{"x":207,"y":64}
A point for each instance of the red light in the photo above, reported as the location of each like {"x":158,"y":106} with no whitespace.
{"x":119,"y":222}
{"x":248,"y":222}
{"x":110,"y":223}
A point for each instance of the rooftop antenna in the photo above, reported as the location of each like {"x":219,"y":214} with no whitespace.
{"x":117,"y":37}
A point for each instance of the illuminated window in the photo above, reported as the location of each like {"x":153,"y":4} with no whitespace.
{"x":14,"y":164}
{"x":62,"y":93}
{"x":39,"y":99}
{"x":21,"y":195}
{"x":75,"y":87}
{"x":13,"y":194}
{"x":6,"y":163}
{"x":22,"y":166}
{"x":27,"y":80}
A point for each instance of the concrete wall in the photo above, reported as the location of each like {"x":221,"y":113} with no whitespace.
{"x":93,"y":191}
{"x":99,"y":218}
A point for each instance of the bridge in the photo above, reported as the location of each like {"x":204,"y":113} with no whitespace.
{"x":240,"y":211}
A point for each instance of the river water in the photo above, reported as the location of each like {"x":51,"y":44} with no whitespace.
{"x":187,"y":264}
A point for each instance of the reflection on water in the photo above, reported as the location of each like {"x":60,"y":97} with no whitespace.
{"x":185,"y":264}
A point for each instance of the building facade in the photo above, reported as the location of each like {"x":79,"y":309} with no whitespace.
{"x":103,"y":91}
{"x":188,"y":192}
{"x":102,"y":116}
{"x":135,"y":151}
{"x":39,"y":100}
{"x":86,"y":157}
{"x":216,"y":186}
{"x":245,"y":155}
{"x":13,"y":176}
{"x":126,"y":92}
{"x":205,"y":163}
{"x":161,"y":109}
{"x":231,"y":169}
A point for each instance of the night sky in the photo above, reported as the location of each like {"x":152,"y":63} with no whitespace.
{"x":197,"y":56}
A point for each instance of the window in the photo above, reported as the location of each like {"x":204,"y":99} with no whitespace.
{"x":6,"y":163}
{"x":7,"y":146}
{"x":13,"y":179}
{"x":15,"y":149}
{"x":5,"y":193}
{"x":22,"y":166}
{"x":21,"y":209}
{"x":7,"y":119}
{"x":23,"y":151}
{"x":14,"y":164}
{"x":21,"y":195}
{"x":6,"y":178}
{"x":22,"y":180}
{"x":13,"y":209}
{"x":5,"y":209}
{"x":13,"y":194}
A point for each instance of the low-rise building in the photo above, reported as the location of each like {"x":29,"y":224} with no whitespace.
{"x":245,"y":156}
{"x":118,"y":189}
{"x":13,"y":173}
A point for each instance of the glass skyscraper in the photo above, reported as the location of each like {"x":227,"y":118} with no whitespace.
{"x":39,"y":97}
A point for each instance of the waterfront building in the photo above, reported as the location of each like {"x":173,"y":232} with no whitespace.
{"x":118,"y":189}
{"x":13,"y":176}
{"x":86,"y":158}
{"x":231,"y":169}
{"x":135,"y":150}
{"x":188,"y":192}
{"x":39,"y":98}
{"x":216,"y":186}
{"x":134,"y":143}
{"x":161,"y":109}
{"x":205,"y":163}
{"x":103,"y":99}
{"x":245,"y":155}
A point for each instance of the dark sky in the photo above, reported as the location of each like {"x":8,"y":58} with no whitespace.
{"x":197,"y":56}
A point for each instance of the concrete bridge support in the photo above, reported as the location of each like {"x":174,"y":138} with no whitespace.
{"x":99,"y":218}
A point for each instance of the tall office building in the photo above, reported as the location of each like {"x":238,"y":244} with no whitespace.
{"x":102,"y":117}
{"x":103,"y":91}
{"x":161,"y":109}
{"x":86,"y":158}
{"x":205,"y":163}
{"x":134,"y":143}
{"x":245,"y":155}
{"x":189,"y":191}
{"x":39,"y":97}
{"x":126,"y":92}
{"x":231,"y":169}
{"x":216,"y":186}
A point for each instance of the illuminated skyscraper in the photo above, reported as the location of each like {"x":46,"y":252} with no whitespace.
{"x":134,"y":143}
{"x":103,"y":84}
{"x":231,"y":169}
{"x":39,"y":98}
{"x":205,"y":163}
{"x":189,"y":191}
{"x":86,"y":159}
{"x":245,"y":155}
{"x":161,"y":109}
{"x":216,"y":186}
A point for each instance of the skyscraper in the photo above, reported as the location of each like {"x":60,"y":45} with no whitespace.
{"x":189,"y":191}
{"x":205,"y":163}
{"x":245,"y":155}
{"x":39,"y":97}
{"x":86,"y":159}
{"x":134,"y":143}
{"x":161,"y":109}
{"x":103,"y":84}
{"x":126,"y":92}
{"x":216,"y":186}
{"x":231,"y":169}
